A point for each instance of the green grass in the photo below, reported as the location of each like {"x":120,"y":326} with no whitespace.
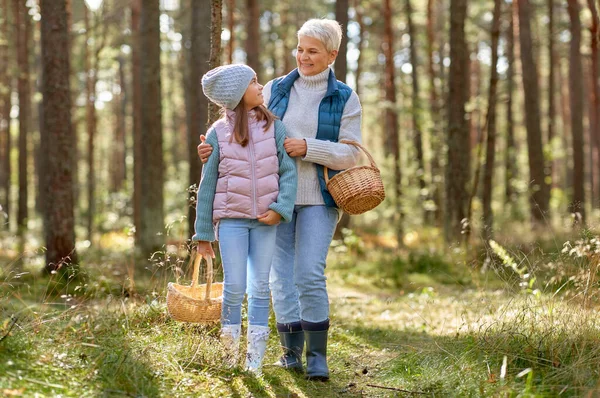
{"x":414,"y":323}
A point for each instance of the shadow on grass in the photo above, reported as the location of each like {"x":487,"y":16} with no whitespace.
{"x":470,"y":364}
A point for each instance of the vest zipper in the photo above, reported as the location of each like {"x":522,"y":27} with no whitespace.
{"x":252,"y":171}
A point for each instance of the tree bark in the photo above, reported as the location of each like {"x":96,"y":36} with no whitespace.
{"x":152,"y":209}
{"x":216,"y":21}
{"x":358,"y":9}
{"x":436,"y":187}
{"x":341,"y":63}
{"x":60,"y":237}
{"x":391,"y":116}
{"x":416,"y":103}
{"x":458,"y":163}
{"x":577,"y":205}
{"x":488,"y":174}
{"x":136,"y":102}
{"x":539,"y":198}
{"x":551,"y":105}
{"x":198,"y":103}
{"x":118,"y":165}
{"x":595,"y":106}
{"x":510,"y":155}
{"x":253,"y":35}
{"x":24,"y":91}
{"x":5,"y":106}
{"x":230,"y":25}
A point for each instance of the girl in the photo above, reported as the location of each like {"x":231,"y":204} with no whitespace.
{"x":248,"y":186}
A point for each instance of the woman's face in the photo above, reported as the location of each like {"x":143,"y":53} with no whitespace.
{"x":312,"y":57}
{"x":253,"y":96}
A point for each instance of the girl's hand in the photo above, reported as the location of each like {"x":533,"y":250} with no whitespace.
{"x":205,"y":249}
{"x":204,"y":149}
{"x":295,"y":147}
{"x":270,"y":217}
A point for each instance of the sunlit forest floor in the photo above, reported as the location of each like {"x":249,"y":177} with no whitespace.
{"x":416,"y":321}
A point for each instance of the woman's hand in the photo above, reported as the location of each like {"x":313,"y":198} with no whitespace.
{"x":205,"y":249}
{"x":204,"y":149}
{"x":295,"y":147}
{"x":270,"y":217}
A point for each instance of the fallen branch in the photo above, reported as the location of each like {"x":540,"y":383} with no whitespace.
{"x":13,"y":321}
{"x":396,"y":389}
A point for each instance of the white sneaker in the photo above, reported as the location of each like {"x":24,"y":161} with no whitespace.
{"x":257,"y":345}
{"x":230,"y":339}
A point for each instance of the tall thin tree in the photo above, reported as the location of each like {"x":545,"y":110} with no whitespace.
{"x":577,"y":205}
{"x":491,"y":126}
{"x":216,"y":22}
{"x":5,"y":106}
{"x":551,"y":105}
{"x":341,"y":63}
{"x":539,"y":197}
{"x":152,"y":209}
{"x":253,"y":36}
{"x":198,"y":103}
{"x":595,"y":106}
{"x":458,"y":163}
{"x":416,"y":101}
{"x":60,"y":237}
{"x":23,"y":87}
{"x":391,"y":131}
{"x":510,"y":158}
{"x":136,"y":104}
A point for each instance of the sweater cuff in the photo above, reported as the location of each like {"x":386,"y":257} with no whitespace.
{"x":205,"y":236}
{"x":286,"y":215}
{"x":316,"y":151}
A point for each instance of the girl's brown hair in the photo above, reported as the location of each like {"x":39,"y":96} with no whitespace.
{"x":240,"y":126}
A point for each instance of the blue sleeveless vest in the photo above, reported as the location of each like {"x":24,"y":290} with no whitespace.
{"x":331,"y":110}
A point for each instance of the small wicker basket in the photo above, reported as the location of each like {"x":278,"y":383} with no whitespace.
{"x":196,"y":303}
{"x":357,"y":189}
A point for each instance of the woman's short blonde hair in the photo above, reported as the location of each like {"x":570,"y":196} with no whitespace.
{"x":328,"y":31}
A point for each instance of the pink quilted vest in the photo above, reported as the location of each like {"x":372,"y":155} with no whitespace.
{"x":248,"y":180}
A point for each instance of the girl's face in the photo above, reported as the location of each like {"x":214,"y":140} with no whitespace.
{"x":312,"y":57}
{"x":253,"y":96}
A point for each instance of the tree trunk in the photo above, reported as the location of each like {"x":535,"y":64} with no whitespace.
{"x":595,"y":106}
{"x":539,"y":198}
{"x":510,"y":155}
{"x":253,"y":36}
{"x":491,"y":127}
{"x":215,"y":50}
{"x":60,"y":237}
{"x":458,"y":163}
{"x":5,"y":106}
{"x":152,"y":209}
{"x":198,"y":103}
{"x":551,"y":106}
{"x":577,"y":205}
{"x":341,"y":63}
{"x":359,"y":11}
{"x":416,"y":102}
{"x":435,"y":138}
{"x":391,"y":116}
{"x":230,"y":26}
{"x":90,"y":118}
{"x":22,"y":50}
{"x":118,"y":165}
{"x":287,"y":53}
{"x":136,"y":101}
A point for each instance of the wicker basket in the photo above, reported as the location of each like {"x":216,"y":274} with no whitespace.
{"x":357,"y":189}
{"x":196,"y":303}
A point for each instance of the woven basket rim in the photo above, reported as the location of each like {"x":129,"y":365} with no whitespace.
{"x":171,"y":288}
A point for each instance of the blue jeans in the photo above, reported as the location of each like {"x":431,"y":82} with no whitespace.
{"x":298,"y":282}
{"x":247,"y":248}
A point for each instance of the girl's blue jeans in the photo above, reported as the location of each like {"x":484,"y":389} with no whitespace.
{"x":298,"y":282}
{"x":247,"y":248}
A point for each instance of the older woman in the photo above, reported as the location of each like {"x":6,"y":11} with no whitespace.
{"x":318,"y":111}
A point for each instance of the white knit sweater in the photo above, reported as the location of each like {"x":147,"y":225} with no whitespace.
{"x":301,"y":121}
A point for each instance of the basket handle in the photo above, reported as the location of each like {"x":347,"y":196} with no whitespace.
{"x":359,"y":146}
{"x":209,"y":273}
